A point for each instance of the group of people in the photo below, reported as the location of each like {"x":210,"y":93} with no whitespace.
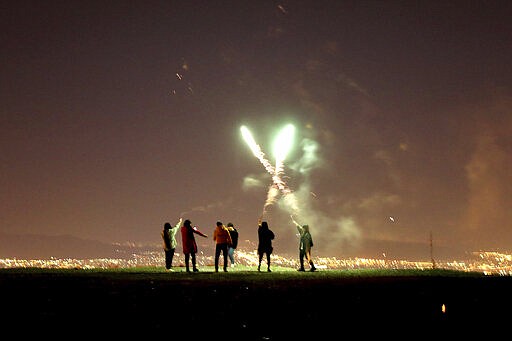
{"x":265,"y":237}
{"x":226,"y":241}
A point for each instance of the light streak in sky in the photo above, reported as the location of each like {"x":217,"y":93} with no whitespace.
{"x":272,"y":193}
{"x":293,"y":220}
{"x":282,"y":146}
{"x":256,"y":150}
{"x":284,"y":142}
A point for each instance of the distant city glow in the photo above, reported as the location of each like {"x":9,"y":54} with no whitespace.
{"x":488,"y":263}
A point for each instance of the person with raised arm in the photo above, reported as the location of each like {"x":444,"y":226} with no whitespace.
{"x":170,"y":243}
{"x":189,"y":243}
{"x":305,"y":245}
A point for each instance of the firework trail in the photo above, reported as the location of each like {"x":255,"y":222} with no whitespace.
{"x":256,"y":150}
{"x":258,"y":153}
{"x":282,"y":144}
{"x":272,"y":193}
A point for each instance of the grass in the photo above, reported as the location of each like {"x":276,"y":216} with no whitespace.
{"x":253,"y":305}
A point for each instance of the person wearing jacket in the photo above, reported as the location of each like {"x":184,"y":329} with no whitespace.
{"x":233,"y":232}
{"x":305,"y":245}
{"x":188,"y":241}
{"x":222,"y":240}
{"x":170,"y":243}
{"x":265,"y":237}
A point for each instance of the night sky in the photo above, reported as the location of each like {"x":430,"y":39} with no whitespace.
{"x":117,"y":116}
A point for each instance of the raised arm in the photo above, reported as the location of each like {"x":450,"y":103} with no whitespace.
{"x":299,"y":228}
{"x":195,"y":230}
{"x":177,"y":226}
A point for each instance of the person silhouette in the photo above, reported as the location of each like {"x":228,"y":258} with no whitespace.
{"x":265,"y":237}
{"x":222,"y":240}
{"x":189,"y":243}
{"x":170,"y":243}
{"x":233,"y":232}
{"x":305,"y":245}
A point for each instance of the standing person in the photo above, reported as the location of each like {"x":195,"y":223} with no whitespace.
{"x":222,"y":240}
{"x":265,"y":237}
{"x":233,"y":232}
{"x":189,"y":243}
{"x":170,"y":243}
{"x":305,"y":245}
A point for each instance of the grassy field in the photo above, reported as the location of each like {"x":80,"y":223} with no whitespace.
{"x":245,"y":304}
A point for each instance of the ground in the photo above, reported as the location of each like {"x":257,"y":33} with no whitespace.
{"x":250,"y":305}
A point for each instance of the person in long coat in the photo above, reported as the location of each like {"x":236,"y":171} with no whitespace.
{"x":265,"y":237}
{"x":189,"y":244}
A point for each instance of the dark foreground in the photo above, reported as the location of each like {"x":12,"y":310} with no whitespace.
{"x":247,"y":305}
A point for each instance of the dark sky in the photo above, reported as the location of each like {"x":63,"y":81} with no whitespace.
{"x":117,"y":116}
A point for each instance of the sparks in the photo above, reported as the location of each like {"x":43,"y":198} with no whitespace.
{"x":282,"y":146}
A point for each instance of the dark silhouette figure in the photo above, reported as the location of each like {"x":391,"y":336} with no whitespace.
{"x":265,"y":237}
{"x":305,"y":245}
{"x":170,"y":243}
{"x":189,"y":243}
{"x":233,"y":232}
{"x":222,"y":240}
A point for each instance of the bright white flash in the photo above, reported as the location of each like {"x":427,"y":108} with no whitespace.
{"x":246,"y":134}
{"x":282,"y":145}
{"x":284,"y":142}
{"x":256,"y":150}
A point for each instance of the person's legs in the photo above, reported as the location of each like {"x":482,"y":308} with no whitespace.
{"x":194,"y":267}
{"x":231,"y":255}
{"x":225,"y":255}
{"x":310,"y":261}
{"x":171,"y":256}
{"x":301,"y":260}
{"x":260,"y":257}
{"x":268,"y":261}
{"x":217,"y":255}
{"x":187,"y":261}
{"x":167,"y":259}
